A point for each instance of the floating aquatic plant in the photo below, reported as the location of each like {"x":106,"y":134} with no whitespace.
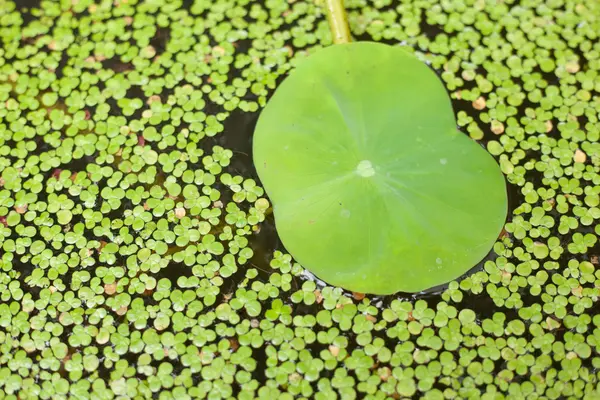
{"x":131,"y":117}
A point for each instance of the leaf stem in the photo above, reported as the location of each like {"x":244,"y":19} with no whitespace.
{"x":338,"y":23}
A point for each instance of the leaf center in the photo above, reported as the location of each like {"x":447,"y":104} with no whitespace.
{"x":365,"y":169}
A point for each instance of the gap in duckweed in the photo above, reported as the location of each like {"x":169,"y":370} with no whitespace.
{"x":25,"y":6}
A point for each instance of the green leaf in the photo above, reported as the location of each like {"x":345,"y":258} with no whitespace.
{"x":64,"y":217}
{"x":373,"y":188}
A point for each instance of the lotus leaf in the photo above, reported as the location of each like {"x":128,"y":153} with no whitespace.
{"x":373,"y":187}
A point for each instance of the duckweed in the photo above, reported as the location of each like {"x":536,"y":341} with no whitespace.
{"x":137,"y":259}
